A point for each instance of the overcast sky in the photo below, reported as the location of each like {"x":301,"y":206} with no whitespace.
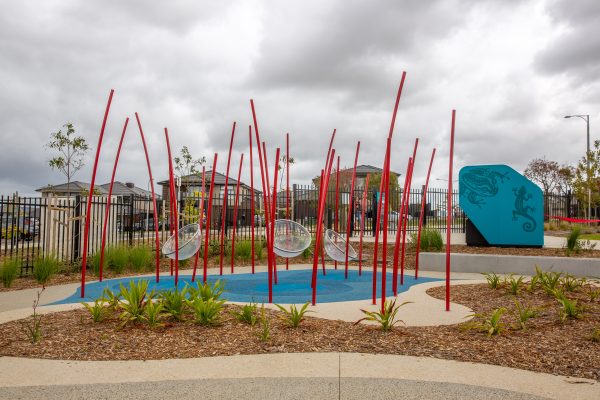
{"x":511,"y":69}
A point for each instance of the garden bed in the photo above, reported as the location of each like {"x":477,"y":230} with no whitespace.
{"x":547,"y":345}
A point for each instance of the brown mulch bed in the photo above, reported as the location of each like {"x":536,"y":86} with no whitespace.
{"x":546,"y":346}
{"x":27,"y":282}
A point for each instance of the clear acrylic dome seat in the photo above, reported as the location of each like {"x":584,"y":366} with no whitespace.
{"x":335,"y":247}
{"x":291,"y":238}
{"x":190,"y":240}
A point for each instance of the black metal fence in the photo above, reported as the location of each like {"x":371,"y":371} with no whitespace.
{"x":32,"y":226}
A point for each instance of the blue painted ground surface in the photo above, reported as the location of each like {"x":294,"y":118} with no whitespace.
{"x":293,"y":286}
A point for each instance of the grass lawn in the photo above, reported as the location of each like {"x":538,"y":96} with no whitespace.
{"x":590,"y":236}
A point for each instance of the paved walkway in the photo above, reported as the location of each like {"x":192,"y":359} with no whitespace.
{"x":283,"y":376}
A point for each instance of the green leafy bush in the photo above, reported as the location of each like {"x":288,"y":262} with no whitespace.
{"x":293,"y":316}
{"x":523,"y":313}
{"x":246,"y":314}
{"x":569,"y":309}
{"x":111,"y":299}
{"x":493,"y":280}
{"x":490,"y":323}
{"x":141,"y":258}
{"x":431,"y":240}
{"x":174,"y":303}
{"x":206,"y":312}
{"x":259,"y":250}
{"x":153,"y":314}
{"x":9,"y":271}
{"x":243,"y":250}
{"x":44,"y":268}
{"x":117,"y":258}
{"x":387,"y":318}
{"x":96,"y":263}
{"x":514,"y":284}
{"x":98,"y":311}
{"x":205,"y":291}
{"x":573,"y":244}
{"x":549,"y":281}
{"x":571,"y":283}
{"x":135,"y":301}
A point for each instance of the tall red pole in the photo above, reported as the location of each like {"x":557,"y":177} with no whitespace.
{"x":399,"y":230}
{"x":271,"y":228}
{"x":386,"y":208}
{"x":156,"y":234}
{"x":200,"y":218}
{"x":321,"y":250}
{"x":224,"y":207}
{"x":405,"y":221}
{"x":350,"y":208}
{"x":319,"y":237}
{"x":110,"y":189}
{"x":208,"y":218}
{"x":287,"y":184}
{"x":449,"y":211}
{"x":251,"y":194}
{"x":235,"y":209}
{"x":362,"y":225}
{"x":91,"y":194}
{"x":174,"y":207}
{"x":336,"y":221}
{"x":421,"y":215}
{"x":378,"y":223}
{"x":272,"y":204}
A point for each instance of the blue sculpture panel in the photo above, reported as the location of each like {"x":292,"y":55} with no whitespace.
{"x":506,"y":207}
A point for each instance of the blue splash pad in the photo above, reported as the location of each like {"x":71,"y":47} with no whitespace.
{"x":293,"y":286}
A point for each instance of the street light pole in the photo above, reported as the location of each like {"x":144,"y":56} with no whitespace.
{"x":586,"y":118}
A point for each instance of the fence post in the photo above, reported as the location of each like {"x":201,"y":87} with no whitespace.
{"x":374,"y":212}
{"x":131,"y":200}
{"x":76,"y":228}
{"x":569,"y":203}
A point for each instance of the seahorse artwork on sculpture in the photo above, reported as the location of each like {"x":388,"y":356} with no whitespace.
{"x":480,"y":183}
{"x":523,"y":210}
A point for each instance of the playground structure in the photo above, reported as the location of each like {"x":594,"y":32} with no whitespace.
{"x":284,"y":237}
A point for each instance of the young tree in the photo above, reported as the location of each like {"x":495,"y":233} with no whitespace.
{"x":186,"y":165}
{"x":72,"y":150}
{"x":375,"y":181}
{"x":281,"y":167}
{"x":543,"y":172}
{"x":585,"y":180}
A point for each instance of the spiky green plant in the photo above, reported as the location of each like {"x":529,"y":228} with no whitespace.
{"x":386,"y":318}
{"x":569,"y":309}
{"x":111,"y":299}
{"x":243,"y":250}
{"x":431,"y":240}
{"x":571,"y":283}
{"x":246,"y":314}
{"x":259,"y":250}
{"x":135,"y":300}
{"x":514,"y":284}
{"x":44,"y":268}
{"x":534,"y":282}
{"x":523,"y":313}
{"x":9,"y":271}
{"x":153,"y":314}
{"x":205,"y":290}
{"x":265,"y":332}
{"x":549,"y":281}
{"x":117,"y":258}
{"x":33,"y":328}
{"x":174,"y":302}
{"x":206,"y":312}
{"x":493,"y":280}
{"x":595,"y":336}
{"x":98,"y":311}
{"x":593,"y":293}
{"x":573,"y":244}
{"x":140,"y":258}
{"x":491,"y":323}
{"x":294,"y":316}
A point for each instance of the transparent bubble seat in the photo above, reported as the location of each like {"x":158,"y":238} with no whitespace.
{"x":190,"y":240}
{"x":291,"y":238}
{"x":335,"y":247}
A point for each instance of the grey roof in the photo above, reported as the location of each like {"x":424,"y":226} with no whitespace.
{"x":121,"y":189}
{"x":74,"y":187}
{"x":367,"y":169}
{"x":197,"y":180}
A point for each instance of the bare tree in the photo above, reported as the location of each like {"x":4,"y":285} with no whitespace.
{"x":72,"y":150}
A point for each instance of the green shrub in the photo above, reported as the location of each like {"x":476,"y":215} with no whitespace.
{"x":309,"y":251}
{"x":387,"y":318}
{"x":44,"y":268}
{"x":571,"y":283}
{"x":243,"y":250}
{"x":569,"y":309}
{"x":136,"y":299}
{"x":9,"y":271}
{"x":493,"y":280}
{"x":259,"y":250}
{"x":117,"y":258}
{"x":265,"y":332}
{"x":549,"y":281}
{"x":96,"y":263}
{"x":206,"y":312}
{"x":141,"y":258}
{"x":490,"y":323}
{"x":205,"y":291}
{"x":153,"y":314}
{"x":431,"y":240}
{"x":514,"y":284}
{"x":573,"y":244}
{"x":523,"y":314}
{"x":246,"y":314}
{"x":33,"y":328}
{"x":111,"y":299}
{"x":595,"y":336}
{"x":293,"y":316}
{"x":98,"y":311}
{"x":174,"y":303}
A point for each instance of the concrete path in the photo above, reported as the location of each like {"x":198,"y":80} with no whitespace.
{"x":283,"y":376}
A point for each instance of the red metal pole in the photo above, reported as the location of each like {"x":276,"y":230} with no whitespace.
{"x":89,"y":203}
{"x":287,"y":184}
{"x":208,"y":216}
{"x":320,"y":212}
{"x":200,"y":217}
{"x":378,"y":224}
{"x":405,"y":221}
{"x":273,"y":203}
{"x":272,"y":226}
{"x":421,"y":215}
{"x":449,"y":212}
{"x":362,"y":225}
{"x":156,"y":234}
{"x":224,"y":206}
{"x":321,"y":250}
{"x":175,"y":209}
{"x":235,"y":209}
{"x":386,"y":207}
{"x":110,"y":189}
{"x":350,"y":208}
{"x":399,"y":230}
{"x":251,"y":194}
{"x":336,"y":222}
